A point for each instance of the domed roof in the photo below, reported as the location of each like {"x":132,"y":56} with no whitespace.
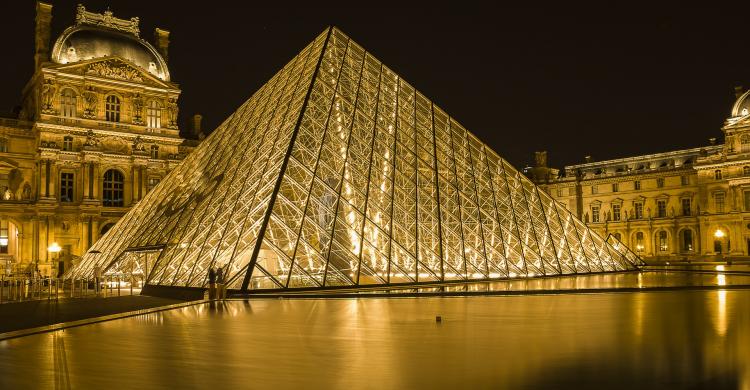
{"x":741,"y":106}
{"x":86,"y":41}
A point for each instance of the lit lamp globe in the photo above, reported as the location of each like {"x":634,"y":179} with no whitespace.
{"x":719,"y":233}
{"x":54,"y":248}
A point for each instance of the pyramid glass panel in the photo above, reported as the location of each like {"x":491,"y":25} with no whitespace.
{"x":337,"y":172}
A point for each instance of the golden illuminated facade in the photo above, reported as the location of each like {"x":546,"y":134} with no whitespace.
{"x":97,"y":129}
{"x":691,"y":204}
{"x":339,"y":173}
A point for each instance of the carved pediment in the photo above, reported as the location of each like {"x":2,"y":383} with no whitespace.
{"x":113,"y":144}
{"x":113,"y":68}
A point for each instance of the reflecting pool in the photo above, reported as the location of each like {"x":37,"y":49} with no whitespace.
{"x":671,"y":339}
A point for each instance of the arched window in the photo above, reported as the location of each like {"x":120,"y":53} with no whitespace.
{"x":717,"y":174}
{"x":154,"y":114}
{"x":68,"y":103}
{"x":113,"y":194}
{"x":618,"y":236}
{"x":662,"y":238}
{"x":639,"y":242}
{"x":154,"y":152}
{"x":687,"y":240}
{"x":106,"y":228}
{"x":112,"y":109}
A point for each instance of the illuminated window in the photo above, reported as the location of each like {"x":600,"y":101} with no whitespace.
{"x":684,"y":180}
{"x":68,"y":143}
{"x":616,"y":212}
{"x":661,"y":208}
{"x":639,"y":241}
{"x":560,"y":192}
{"x":4,"y":237}
{"x":594,"y":189}
{"x":746,"y":171}
{"x":745,"y":142}
{"x":113,"y":194}
{"x":686,"y":206}
{"x":152,"y":182}
{"x":112,"y":109}
{"x":637,"y":184}
{"x":717,"y":174}
{"x":66,"y":187}
{"x":687,"y":240}
{"x":154,"y":114}
{"x":594,"y":213}
{"x":719,"y":202}
{"x":638,"y":210}
{"x":615,"y":187}
{"x":154,"y":152}
{"x":68,"y":103}
{"x":660,"y":182}
{"x":663,"y":246}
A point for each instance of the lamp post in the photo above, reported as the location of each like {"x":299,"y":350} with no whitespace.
{"x":719,"y":234}
{"x":54,"y":249}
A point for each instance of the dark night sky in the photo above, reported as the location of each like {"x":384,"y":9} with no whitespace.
{"x":600,"y":80}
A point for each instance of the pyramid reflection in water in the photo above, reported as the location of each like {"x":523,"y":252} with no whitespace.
{"x":335,"y":173}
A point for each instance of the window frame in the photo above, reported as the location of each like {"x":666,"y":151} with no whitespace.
{"x":67,"y":187}
{"x":111,"y":188}
{"x":68,"y":103}
{"x":112,"y":108}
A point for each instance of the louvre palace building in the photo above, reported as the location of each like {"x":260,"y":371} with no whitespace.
{"x":96,"y":130}
{"x":682,"y":205}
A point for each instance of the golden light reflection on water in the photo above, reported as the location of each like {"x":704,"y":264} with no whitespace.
{"x":684,"y":338}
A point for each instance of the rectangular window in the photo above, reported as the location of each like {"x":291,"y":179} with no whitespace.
{"x":719,"y":202}
{"x":747,"y":200}
{"x":66,"y":187}
{"x":594,"y":189}
{"x":686,"y":206}
{"x":687,"y":240}
{"x":594,"y":213}
{"x":684,"y":180}
{"x":615,"y":187}
{"x":4,"y":237}
{"x":3,"y":145}
{"x":638,"y":210}
{"x":154,"y":152}
{"x":560,"y":192}
{"x":661,"y":208}
{"x":637,"y":184}
{"x":616,"y":212}
{"x":660,"y":182}
{"x":68,"y":143}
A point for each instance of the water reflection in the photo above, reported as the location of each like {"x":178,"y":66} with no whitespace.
{"x":669,"y":339}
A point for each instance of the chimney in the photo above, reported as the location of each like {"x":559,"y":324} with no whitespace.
{"x":195,"y":124}
{"x":42,"y":33}
{"x":162,"y":42}
{"x":738,"y":91}
{"x":588,"y":159}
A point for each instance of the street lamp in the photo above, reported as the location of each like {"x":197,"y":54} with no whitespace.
{"x":54,"y":249}
{"x":719,"y":234}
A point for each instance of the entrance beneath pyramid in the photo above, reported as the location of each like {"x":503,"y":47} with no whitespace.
{"x":133,"y":266}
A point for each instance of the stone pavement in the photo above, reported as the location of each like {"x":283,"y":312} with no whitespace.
{"x":32,"y":314}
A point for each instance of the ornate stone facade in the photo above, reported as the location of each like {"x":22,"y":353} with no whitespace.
{"x":691,"y":204}
{"x":96,"y":131}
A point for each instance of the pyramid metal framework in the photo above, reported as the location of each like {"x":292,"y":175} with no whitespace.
{"x":339,"y":173}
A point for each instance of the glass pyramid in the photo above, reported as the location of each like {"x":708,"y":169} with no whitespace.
{"x":339,"y":173}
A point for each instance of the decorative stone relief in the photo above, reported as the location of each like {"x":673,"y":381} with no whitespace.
{"x":137,"y":109}
{"x":48,"y":96}
{"x":115,"y":144}
{"x":138,"y":147}
{"x":91,"y":141}
{"x":91,"y":99}
{"x":172,"y":111}
{"x":115,"y":70}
